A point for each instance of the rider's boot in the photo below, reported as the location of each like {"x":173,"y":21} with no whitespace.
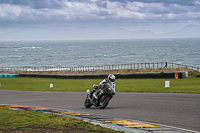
{"x":91,"y":94}
{"x":93,"y":98}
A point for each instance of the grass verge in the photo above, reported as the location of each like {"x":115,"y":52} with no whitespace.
{"x":189,"y":85}
{"x":32,"y":121}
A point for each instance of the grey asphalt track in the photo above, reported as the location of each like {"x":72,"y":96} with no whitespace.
{"x":177,"y":110}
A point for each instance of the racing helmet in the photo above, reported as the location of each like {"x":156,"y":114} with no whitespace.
{"x":111,"y":78}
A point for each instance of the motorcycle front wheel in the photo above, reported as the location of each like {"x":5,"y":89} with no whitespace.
{"x":104,"y":100}
{"x":87,"y":103}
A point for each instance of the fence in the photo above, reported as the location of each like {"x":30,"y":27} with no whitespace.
{"x":102,"y":67}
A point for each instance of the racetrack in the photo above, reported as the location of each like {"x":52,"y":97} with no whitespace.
{"x":178,"y":110}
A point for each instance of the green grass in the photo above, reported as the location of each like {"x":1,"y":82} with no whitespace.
{"x":158,"y":85}
{"x":43,"y":84}
{"x":32,"y":121}
{"x":189,"y":85}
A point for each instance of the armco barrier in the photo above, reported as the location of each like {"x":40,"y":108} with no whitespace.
{"x":129,"y":75}
{"x":8,"y":75}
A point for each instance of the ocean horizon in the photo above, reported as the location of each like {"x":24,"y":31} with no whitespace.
{"x":73,"y":53}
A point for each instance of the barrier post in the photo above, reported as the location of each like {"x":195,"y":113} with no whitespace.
{"x":51,"y":85}
{"x":167,"y":84}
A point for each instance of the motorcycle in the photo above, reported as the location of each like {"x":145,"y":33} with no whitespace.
{"x":102,"y":96}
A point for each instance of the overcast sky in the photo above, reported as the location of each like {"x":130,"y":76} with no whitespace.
{"x":159,"y":16}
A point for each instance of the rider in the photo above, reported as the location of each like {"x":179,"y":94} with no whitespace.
{"x":110,"y":78}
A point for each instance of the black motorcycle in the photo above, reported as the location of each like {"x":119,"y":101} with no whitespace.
{"x":102,"y":96}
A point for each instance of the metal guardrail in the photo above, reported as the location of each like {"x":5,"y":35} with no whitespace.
{"x":103,"y":67}
{"x":175,"y":65}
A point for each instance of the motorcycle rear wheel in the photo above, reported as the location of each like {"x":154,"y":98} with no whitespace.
{"x":104,"y":100}
{"x":87,"y":103}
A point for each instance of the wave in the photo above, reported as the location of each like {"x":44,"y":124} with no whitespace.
{"x":10,"y":47}
{"x":33,"y":47}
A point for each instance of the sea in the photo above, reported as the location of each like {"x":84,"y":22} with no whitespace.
{"x":73,"y":53}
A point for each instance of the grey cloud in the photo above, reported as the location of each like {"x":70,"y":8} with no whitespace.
{"x":166,"y":2}
{"x":97,"y":10}
{"x":59,"y":3}
{"x":35,"y":3}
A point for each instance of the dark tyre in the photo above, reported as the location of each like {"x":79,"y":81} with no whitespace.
{"x":87,"y":103}
{"x":104,"y":100}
